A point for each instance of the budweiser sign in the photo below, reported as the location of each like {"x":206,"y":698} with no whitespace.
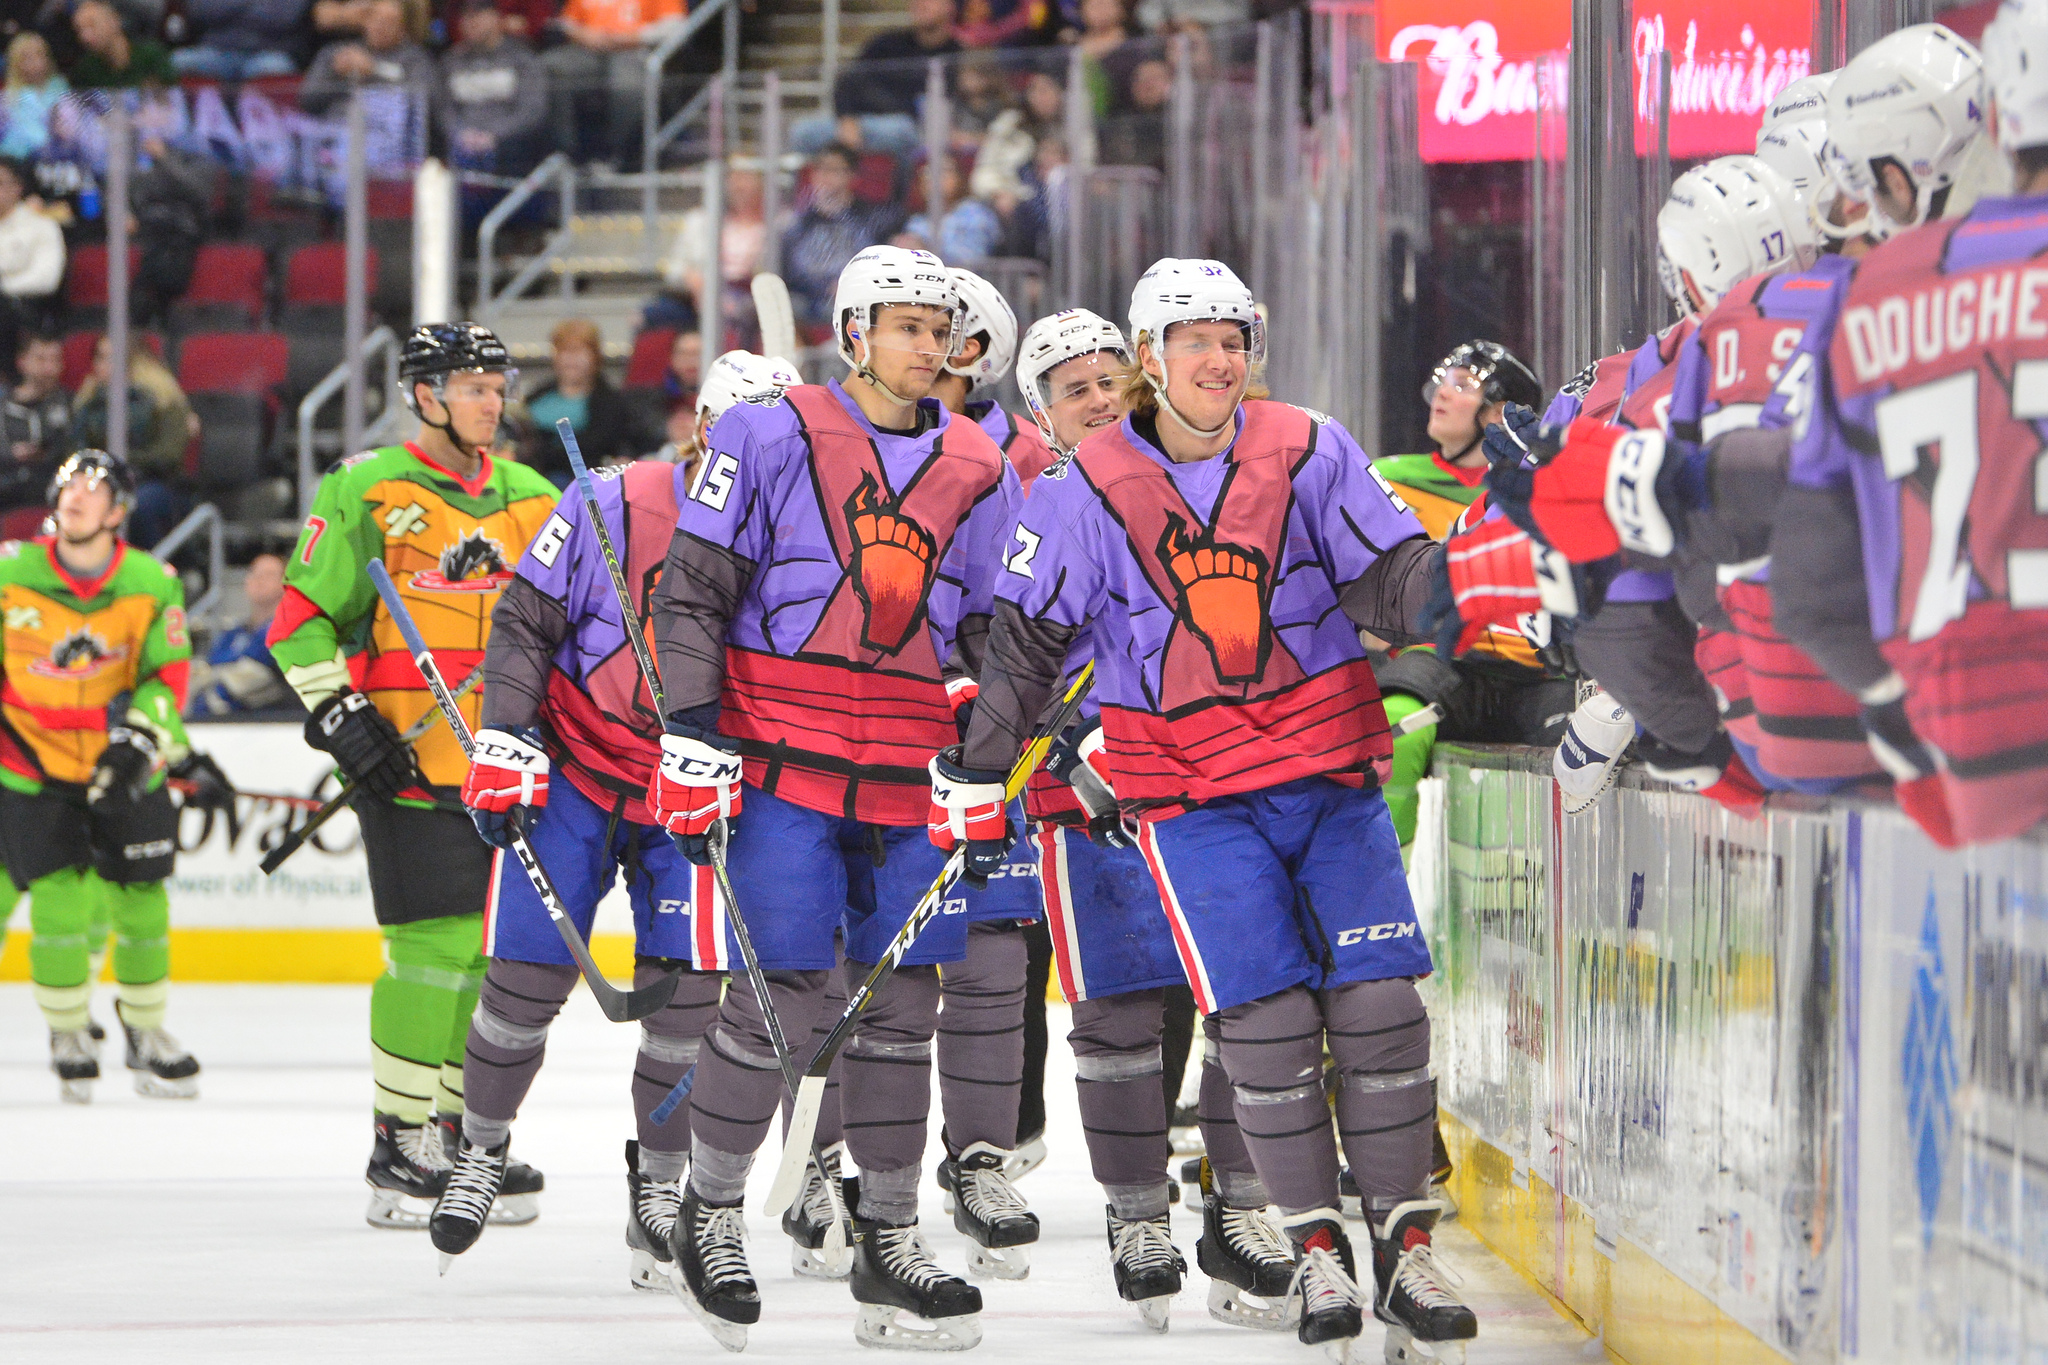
{"x":1718,"y":92}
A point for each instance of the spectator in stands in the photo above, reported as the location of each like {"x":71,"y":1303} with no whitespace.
{"x":109,"y":59}
{"x":981,"y":95}
{"x":31,"y":258}
{"x":33,"y":88}
{"x":685,"y":371}
{"x":350,"y":18}
{"x":1030,"y":224}
{"x":1164,"y":16}
{"x":384,"y":57}
{"x":877,"y":97}
{"x":606,"y":425}
{"x":493,"y":96}
{"x":606,"y":49}
{"x":742,"y":237}
{"x":161,"y":425}
{"x":236,"y":40}
{"x":994,"y":23}
{"x":238,"y":673}
{"x":831,"y":225}
{"x":1105,"y":38}
{"x":968,"y":230}
{"x":170,"y":196}
{"x":1136,"y":134}
{"x":35,"y":422}
{"x":1002,"y":168}
{"x":679,"y":430}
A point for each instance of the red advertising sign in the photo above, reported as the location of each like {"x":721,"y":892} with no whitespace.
{"x":1487,"y":65}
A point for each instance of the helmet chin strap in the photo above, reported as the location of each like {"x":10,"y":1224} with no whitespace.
{"x":862,"y":370}
{"x":1166,"y":405}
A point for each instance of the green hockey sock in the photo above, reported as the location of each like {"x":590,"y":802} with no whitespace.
{"x":430,"y":968}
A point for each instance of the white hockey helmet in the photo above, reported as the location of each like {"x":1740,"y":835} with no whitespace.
{"x":1728,"y":220}
{"x":1797,"y":150}
{"x":880,"y":275}
{"x":742,"y":377}
{"x":1804,"y":99}
{"x":1915,"y":97}
{"x":1176,"y":290}
{"x":2016,"y":70}
{"x":1050,"y":343}
{"x":985,"y":313}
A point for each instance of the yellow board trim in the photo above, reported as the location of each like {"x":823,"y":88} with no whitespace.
{"x":336,"y":956}
{"x":1644,"y":1314}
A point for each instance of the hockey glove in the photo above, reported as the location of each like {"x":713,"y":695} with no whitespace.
{"x":970,"y":807}
{"x":1716,"y":772}
{"x":1605,"y":489}
{"x":507,"y":786}
{"x":209,"y":788}
{"x":1496,"y":576}
{"x":1914,"y":765}
{"x":960,"y":695}
{"x":1077,"y":759}
{"x":125,"y":769}
{"x":696,"y":784}
{"x":1506,"y":442}
{"x":364,"y":745}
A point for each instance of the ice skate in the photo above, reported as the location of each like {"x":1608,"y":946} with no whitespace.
{"x":1425,"y":1321}
{"x":1591,"y":754}
{"x":907,"y":1302}
{"x":1324,"y":1299}
{"x":990,"y":1212}
{"x":163,"y":1070}
{"x":1146,"y":1264}
{"x":76,"y":1062}
{"x":518,"y":1201}
{"x":651,"y":1207}
{"x":408,"y":1170}
{"x":710,"y":1274}
{"x":816,"y":1223}
{"x":460,"y":1212}
{"x":1440,"y":1170}
{"x":1250,"y":1265}
{"x":1028,"y":1157}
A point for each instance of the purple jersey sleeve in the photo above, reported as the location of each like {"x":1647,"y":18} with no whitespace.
{"x":1688,"y":388}
{"x":965,"y":587}
{"x":1359,"y":516}
{"x":724,"y":506}
{"x":1803,"y":400}
{"x":1051,"y":566}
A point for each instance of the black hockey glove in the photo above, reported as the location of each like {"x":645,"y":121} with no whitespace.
{"x":209,"y":790}
{"x":126,"y":765}
{"x":364,"y":745}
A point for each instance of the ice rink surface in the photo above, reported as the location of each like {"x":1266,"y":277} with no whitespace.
{"x":230,"y":1228}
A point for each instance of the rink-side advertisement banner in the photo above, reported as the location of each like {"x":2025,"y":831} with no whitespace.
{"x":1486,"y":66}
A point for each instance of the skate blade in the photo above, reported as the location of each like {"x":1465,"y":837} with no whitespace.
{"x":879,"y":1325}
{"x":731,"y":1335}
{"x":154,"y":1087}
{"x":1023,"y":1161}
{"x":513,"y":1210}
{"x":648,"y":1274}
{"x":822,"y":1263}
{"x":1156,"y":1313}
{"x":446,"y":1261}
{"x":74,"y":1092}
{"x":393,"y":1210}
{"x":998,"y":1263}
{"x":1404,"y":1349}
{"x":1228,"y":1303}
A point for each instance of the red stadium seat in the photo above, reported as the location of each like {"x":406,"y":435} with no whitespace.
{"x":85,"y":283}
{"x":650,"y":358}
{"x":21,"y":523}
{"x":232,"y":362}
{"x":318,"y":274}
{"x":78,"y":353}
{"x":227,"y":285}
{"x":389,"y":198}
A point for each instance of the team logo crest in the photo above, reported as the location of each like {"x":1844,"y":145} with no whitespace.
{"x":893,"y":561}
{"x":81,"y":653}
{"x":1221,"y":591}
{"x":475,"y":563}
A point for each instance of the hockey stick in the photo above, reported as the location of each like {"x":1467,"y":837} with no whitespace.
{"x":186,"y":787}
{"x":778,"y":321}
{"x":629,"y":618}
{"x":803,"y":1124}
{"x":296,"y":839}
{"x":619,"y":1006}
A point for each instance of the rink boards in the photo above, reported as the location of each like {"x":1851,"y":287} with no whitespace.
{"x":1737,"y":1091}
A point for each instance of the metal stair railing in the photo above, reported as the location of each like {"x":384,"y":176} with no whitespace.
{"x":382,"y":340}
{"x":556,"y":167}
{"x":205,"y":517}
{"x":655,"y":134}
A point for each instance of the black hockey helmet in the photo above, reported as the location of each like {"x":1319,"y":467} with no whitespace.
{"x":95,"y":466}
{"x":1501,"y":374}
{"x":435,"y":350}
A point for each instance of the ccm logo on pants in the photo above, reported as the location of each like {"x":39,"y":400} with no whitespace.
{"x":1373,"y":933}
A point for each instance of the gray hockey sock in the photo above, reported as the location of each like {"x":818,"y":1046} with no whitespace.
{"x":1273,"y":1051}
{"x":1133,"y":1202}
{"x":718,"y":1177}
{"x":663,"y":1166}
{"x":669,"y":1042}
{"x":739,"y":1080}
{"x":508,"y":1038}
{"x":1386,"y":1101}
{"x":981,"y":1038}
{"x":889,"y":1196}
{"x":1237,"y":1180}
{"x":1117,"y":1066}
{"x":887,"y":1095}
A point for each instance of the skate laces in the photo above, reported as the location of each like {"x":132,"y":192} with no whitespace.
{"x":1248,"y":1233}
{"x":1142,"y":1244}
{"x":154,"y":1045}
{"x":822,"y":1206}
{"x":1426,"y":1280}
{"x":990,"y":1196}
{"x":474,"y":1185}
{"x":71,"y":1045}
{"x":1323,"y":1283}
{"x":909,"y":1257}
{"x":721,"y":1234}
{"x":659,"y":1205}
{"x":420,"y":1143}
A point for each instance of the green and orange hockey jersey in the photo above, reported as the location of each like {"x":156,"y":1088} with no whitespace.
{"x":1438,"y":492}
{"x":75,"y":646}
{"x":450,"y":544}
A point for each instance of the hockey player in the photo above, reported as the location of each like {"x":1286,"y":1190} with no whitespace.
{"x":1113,"y":953}
{"x":563,"y":692}
{"x":449,"y":522}
{"x":94,"y":666}
{"x":1243,"y":732}
{"x":836,"y":549}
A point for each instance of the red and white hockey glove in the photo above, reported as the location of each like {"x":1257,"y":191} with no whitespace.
{"x":1497,"y":576}
{"x":960,"y":695}
{"x":970,"y":807}
{"x":1079,"y":759}
{"x":696,"y":784}
{"x":1595,"y":497}
{"x":507,"y":786}
{"x":1914,"y":765}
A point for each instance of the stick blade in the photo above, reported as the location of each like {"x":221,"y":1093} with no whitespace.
{"x":652,"y":998}
{"x":778,"y":321}
{"x":796,"y":1149}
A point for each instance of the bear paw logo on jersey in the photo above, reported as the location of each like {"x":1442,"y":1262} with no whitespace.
{"x":893,"y":559}
{"x":79,"y":654}
{"x":475,"y":563}
{"x":1222,"y":590}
